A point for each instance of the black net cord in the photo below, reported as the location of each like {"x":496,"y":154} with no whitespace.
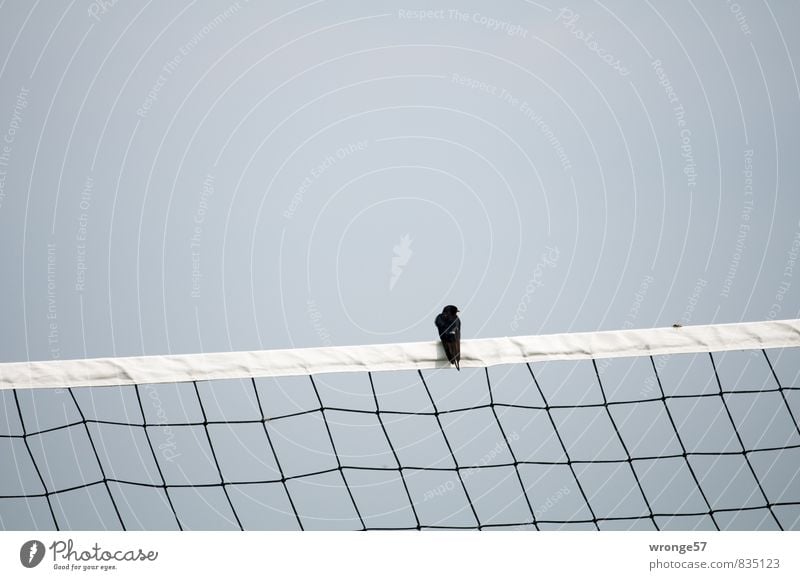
{"x":441,"y":412}
{"x":457,"y":470}
{"x":97,"y":458}
{"x":222,"y":481}
{"x":685,"y":455}
{"x":741,"y":444}
{"x":275,"y":455}
{"x":782,"y":391}
{"x":563,"y":448}
{"x":450,"y":449}
{"x":155,"y":459}
{"x":33,"y":460}
{"x":336,"y":454}
{"x":394,"y":451}
{"x":624,"y":447}
{"x":510,"y":450}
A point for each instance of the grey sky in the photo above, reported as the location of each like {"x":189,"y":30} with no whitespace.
{"x":484,"y":146}
{"x":186,"y":177}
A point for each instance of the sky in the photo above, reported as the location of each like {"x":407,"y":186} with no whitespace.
{"x":219,"y":177}
{"x":196,"y":177}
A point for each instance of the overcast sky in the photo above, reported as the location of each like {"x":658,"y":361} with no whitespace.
{"x":184,"y":177}
{"x":225,"y":176}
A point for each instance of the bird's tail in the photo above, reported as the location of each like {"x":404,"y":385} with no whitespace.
{"x":457,"y":363}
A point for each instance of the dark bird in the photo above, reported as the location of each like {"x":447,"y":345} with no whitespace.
{"x":449,"y":326}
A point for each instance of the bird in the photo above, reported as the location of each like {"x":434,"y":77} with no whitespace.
{"x":449,"y":326}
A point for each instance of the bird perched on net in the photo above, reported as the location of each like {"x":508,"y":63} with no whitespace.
{"x":449,"y":327}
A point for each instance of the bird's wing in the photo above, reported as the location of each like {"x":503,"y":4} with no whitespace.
{"x":441,"y":325}
{"x":451,"y":349}
{"x":457,"y":349}
{"x":444,"y":325}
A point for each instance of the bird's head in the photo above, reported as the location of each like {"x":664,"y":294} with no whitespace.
{"x":450,"y":310}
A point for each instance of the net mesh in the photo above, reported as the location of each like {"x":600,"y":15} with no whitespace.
{"x":685,"y":441}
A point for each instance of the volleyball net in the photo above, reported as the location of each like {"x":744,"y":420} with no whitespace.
{"x":669,"y":428}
